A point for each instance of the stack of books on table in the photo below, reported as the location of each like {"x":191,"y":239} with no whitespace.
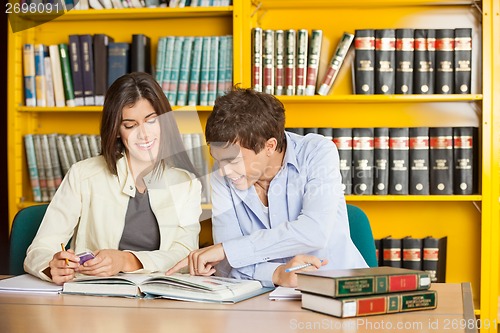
{"x":366,"y":291}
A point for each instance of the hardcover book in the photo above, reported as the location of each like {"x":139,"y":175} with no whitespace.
{"x":381,"y":161}
{"x":279,"y":62}
{"x":391,"y":252}
{"x":29,"y":74}
{"x":185,"y":287}
{"x":441,"y":160}
{"x":301,"y":68}
{"x":290,"y":55}
{"x":29,"y":147}
{"x":463,"y":60}
{"x":364,"y":62}
{"x":40,"y":81}
{"x":55,"y":65}
{"x":194,"y":73}
{"x":412,"y":253}
{"x":88,"y":71}
{"x":69,"y":94}
{"x":362,"y":281}
{"x":399,"y":160}
{"x":445,"y":46}
{"x":257,"y":59}
{"x":465,"y":160}
{"x":405,"y":44}
{"x":313,"y":61}
{"x":118,"y":61}
{"x":419,"y":160}
{"x":335,"y":63}
{"x":362,"y":161}
{"x":385,"y":61}
{"x":101,"y":42}
{"x":423,"y":72}
{"x":268,"y":61}
{"x":434,"y":258}
{"x":348,"y":307}
{"x":76,"y":69}
{"x":140,"y":53}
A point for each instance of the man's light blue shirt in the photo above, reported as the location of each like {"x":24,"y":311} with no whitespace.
{"x":307,"y":215}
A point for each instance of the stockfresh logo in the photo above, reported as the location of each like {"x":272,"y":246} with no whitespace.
{"x":26,"y":14}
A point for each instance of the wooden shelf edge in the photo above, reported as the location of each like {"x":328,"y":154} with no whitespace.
{"x":314,"y":4}
{"x":381,"y":98}
{"x":79,"y":109}
{"x":416,"y":198}
{"x":133,"y":13}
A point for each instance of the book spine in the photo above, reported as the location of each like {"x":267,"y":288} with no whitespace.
{"x":55,"y":64}
{"x":268,"y":61}
{"x":301,"y":68}
{"x":69,"y":94}
{"x":76,"y":69}
{"x":445,"y":45}
{"x":54,"y":156}
{"x":463,"y":60}
{"x":391,"y":252}
{"x":290,"y":56}
{"x":101,"y":42}
{"x":32,"y":168}
{"x":342,"y":137}
{"x":381,"y":161}
{"x":204,"y":74}
{"x":40,"y":83}
{"x":167,"y":67}
{"x":222,"y":68}
{"x":335,"y":63}
{"x":174,"y":71}
{"x":313,"y":61}
{"x":364,"y":61}
{"x":399,"y":160}
{"x":441,"y":160}
{"x":77,"y":147}
{"x":405,"y":44}
{"x":70,"y":149}
{"x":229,"y":64}
{"x":160,"y":59}
{"x":84,"y":143}
{"x":419,"y":160}
{"x":29,"y":74}
{"x":385,"y":61}
{"x":434,"y":258}
{"x":41,"y":167}
{"x":140,"y":53}
{"x":279,"y":61}
{"x":94,"y":145}
{"x":49,"y":81}
{"x":412,"y":253}
{"x":257,"y":83}
{"x":212,"y":70}
{"x":423,"y":66}
{"x":194,"y":75}
{"x":182,"y":95}
{"x":362,"y":160}
{"x":87,"y":55}
{"x":63,"y":155}
{"x":118,"y":61}
{"x":48,"y":166}
{"x":464,"y":160}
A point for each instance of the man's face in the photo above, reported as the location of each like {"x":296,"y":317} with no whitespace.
{"x":241,"y":166}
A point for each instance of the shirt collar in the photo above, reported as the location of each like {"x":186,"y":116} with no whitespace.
{"x":125,"y":177}
{"x":290,"y":154}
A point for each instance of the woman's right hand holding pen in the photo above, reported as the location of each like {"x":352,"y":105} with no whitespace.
{"x":63,"y":266}
{"x":285,"y":275}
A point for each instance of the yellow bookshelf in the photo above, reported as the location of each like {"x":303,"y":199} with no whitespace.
{"x":470,"y":222}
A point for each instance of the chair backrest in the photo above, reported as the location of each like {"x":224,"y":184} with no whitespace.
{"x":361,"y":234}
{"x":24,"y":228}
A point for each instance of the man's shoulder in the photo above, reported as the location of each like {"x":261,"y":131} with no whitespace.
{"x":309,"y":143}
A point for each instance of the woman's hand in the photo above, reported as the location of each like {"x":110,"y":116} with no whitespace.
{"x":63,"y":266}
{"x":110,"y":262}
{"x":289,"y":279}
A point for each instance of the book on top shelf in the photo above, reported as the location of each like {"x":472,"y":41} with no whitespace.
{"x":185,"y":287}
{"x":348,"y":307}
{"x":29,"y":74}
{"x":405,"y":44}
{"x":385,"y":61}
{"x":290,"y":61}
{"x":313,"y":58}
{"x":364,"y":61}
{"x":279,"y":62}
{"x":445,"y":46}
{"x":463,"y":60}
{"x":301,"y":66}
{"x":268,"y":61}
{"x":362,"y":281}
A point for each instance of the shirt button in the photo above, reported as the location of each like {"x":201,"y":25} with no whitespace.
{"x":131,"y":187}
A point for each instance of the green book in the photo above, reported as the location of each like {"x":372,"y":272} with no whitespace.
{"x":69,"y":93}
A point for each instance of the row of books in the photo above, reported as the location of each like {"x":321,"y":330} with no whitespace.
{"x":194,"y":70}
{"x":413,"y":61}
{"x":287,"y":62}
{"x":49,"y":157}
{"x":406,"y":160}
{"x":427,"y":254}
{"x":366,"y":291}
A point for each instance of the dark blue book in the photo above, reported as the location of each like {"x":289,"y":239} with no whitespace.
{"x":76,"y":68}
{"x":86,"y":49}
{"x":118,"y":61}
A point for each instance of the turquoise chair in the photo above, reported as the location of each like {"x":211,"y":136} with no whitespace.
{"x":361,"y":234}
{"x":24,"y":228}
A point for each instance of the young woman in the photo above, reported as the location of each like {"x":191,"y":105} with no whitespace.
{"x":136,"y":206}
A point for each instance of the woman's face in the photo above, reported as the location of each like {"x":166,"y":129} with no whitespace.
{"x":140,"y":134}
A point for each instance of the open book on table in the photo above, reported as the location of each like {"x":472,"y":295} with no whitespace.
{"x":177,"y":286}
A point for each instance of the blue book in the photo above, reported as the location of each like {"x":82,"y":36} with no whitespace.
{"x":182,"y":91}
{"x":40,"y":84}
{"x":194,"y":75}
{"x":87,"y":56}
{"x":76,"y":68}
{"x":29,"y":74}
{"x":118,"y":61}
{"x":205,"y":63}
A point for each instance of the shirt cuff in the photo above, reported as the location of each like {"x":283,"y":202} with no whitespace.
{"x":264,"y":273}
{"x":240,"y":252}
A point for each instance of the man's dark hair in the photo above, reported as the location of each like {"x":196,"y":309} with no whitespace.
{"x":247,"y":117}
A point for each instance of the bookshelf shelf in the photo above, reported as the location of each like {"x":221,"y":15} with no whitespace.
{"x":382,"y":98}
{"x":135,"y":14}
{"x":286,"y":4}
{"x":79,"y":109}
{"x":416,"y":198}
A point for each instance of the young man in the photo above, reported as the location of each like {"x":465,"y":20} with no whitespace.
{"x":277,"y":200}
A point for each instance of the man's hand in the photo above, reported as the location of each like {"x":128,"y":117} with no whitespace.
{"x":282,"y":278}
{"x":202,"y":261}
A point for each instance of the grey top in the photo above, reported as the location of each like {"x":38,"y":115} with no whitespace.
{"x":141,"y":232}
